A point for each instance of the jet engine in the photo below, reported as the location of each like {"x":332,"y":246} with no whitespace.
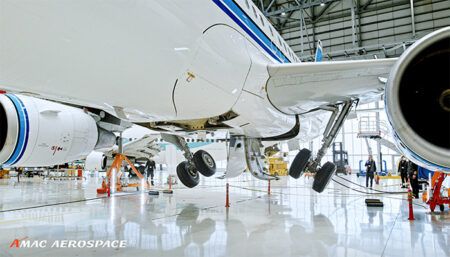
{"x":418,"y":101}
{"x":96,"y":161}
{"x":36,"y":132}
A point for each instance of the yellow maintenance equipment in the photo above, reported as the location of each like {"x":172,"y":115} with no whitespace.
{"x":4,"y":174}
{"x":277,"y":166}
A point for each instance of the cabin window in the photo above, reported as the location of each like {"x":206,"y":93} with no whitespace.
{"x":254,"y":12}
{"x":271,"y":31}
{"x":246,"y":3}
{"x":262,"y":20}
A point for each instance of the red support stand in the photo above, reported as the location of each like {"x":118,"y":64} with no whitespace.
{"x":436,"y":199}
{"x":117,"y":165}
{"x":227,"y":200}
{"x":268,"y":188}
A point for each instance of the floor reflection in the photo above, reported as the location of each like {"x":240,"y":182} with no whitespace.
{"x":292,"y":221}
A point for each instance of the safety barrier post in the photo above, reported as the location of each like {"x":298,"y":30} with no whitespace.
{"x":410,"y":200}
{"x":268,"y":188}
{"x":227,"y":199}
{"x":169,"y":181}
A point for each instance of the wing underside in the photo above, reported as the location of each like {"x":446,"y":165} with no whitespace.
{"x":302,"y":87}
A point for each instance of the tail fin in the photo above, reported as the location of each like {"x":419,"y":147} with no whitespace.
{"x":319,"y":52}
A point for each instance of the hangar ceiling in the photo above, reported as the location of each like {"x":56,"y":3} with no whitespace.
{"x":354,"y":29}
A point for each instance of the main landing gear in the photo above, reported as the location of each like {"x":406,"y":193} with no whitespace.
{"x":303,"y":161}
{"x":200,"y":162}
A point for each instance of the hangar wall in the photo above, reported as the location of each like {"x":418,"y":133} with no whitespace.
{"x":355,"y":28}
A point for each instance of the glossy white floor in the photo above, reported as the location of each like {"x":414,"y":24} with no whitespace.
{"x":292,"y":221}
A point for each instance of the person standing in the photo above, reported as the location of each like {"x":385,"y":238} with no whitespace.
{"x":403,"y":170}
{"x":371,"y":168}
{"x":413,"y":172}
{"x":150,"y":166}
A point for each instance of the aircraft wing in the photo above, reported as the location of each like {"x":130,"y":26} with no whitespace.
{"x":144,"y":147}
{"x":301,"y":87}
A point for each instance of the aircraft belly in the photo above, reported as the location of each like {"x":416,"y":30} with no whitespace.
{"x":105,"y":53}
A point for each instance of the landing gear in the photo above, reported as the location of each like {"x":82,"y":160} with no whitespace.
{"x":324,"y":173}
{"x":300,"y":163}
{"x":187,"y":174}
{"x":200,"y":162}
{"x":204,"y":163}
{"x":323,"y":176}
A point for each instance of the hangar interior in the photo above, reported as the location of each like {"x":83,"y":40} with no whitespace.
{"x":244,"y":216}
{"x":361,"y":29}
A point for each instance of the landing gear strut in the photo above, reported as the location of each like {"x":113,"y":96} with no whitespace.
{"x":200,"y":162}
{"x":323,"y":173}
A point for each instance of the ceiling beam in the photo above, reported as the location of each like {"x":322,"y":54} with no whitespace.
{"x":295,"y":7}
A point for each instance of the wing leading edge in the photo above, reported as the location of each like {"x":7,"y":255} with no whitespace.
{"x":301,"y":87}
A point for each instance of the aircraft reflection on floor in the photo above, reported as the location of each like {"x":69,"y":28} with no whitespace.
{"x":293,"y":221}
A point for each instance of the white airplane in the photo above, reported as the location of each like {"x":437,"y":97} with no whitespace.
{"x":140,"y":150}
{"x":72,"y":72}
{"x":141,"y":144}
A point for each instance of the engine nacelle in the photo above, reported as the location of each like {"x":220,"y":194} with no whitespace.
{"x":36,"y":132}
{"x":96,"y":161}
{"x":418,"y":101}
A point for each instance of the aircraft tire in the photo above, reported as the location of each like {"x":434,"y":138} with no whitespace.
{"x":204,"y":163}
{"x":323,"y":176}
{"x":186,"y":177}
{"x":299,"y":164}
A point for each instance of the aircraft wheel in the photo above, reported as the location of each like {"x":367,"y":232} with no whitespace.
{"x":188,"y":177}
{"x":442,"y":208}
{"x":299,"y":164}
{"x":204,"y":163}
{"x":323,"y":176}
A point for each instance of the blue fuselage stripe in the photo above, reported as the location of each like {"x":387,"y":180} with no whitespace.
{"x":22,"y":141}
{"x":249,"y":26}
